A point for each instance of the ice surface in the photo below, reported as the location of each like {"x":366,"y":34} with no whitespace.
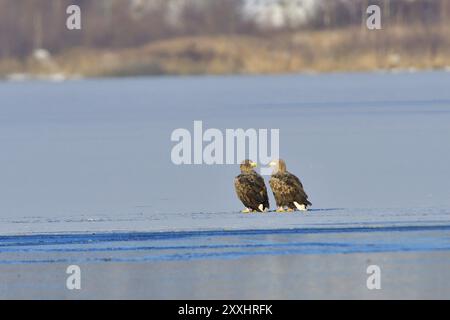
{"x":94,"y":155}
{"x":172,"y":223}
{"x":86,"y":178}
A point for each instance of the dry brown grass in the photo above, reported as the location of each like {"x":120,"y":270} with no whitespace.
{"x":350,"y":49}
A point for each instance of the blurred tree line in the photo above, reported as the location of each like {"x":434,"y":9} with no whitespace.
{"x":26,"y":25}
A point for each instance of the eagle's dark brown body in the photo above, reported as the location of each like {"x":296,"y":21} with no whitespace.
{"x":287,"y":188}
{"x":251,"y":189}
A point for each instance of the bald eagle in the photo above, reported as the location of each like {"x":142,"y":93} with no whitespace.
{"x":287,"y":189}
{"x":251,"y":189}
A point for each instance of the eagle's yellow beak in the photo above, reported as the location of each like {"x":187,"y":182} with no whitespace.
{"x":272,"y":164}
{"x":254,"y":164}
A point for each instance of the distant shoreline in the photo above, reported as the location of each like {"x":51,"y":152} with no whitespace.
{"x":56,"y":78}
{"x":314,"y":52}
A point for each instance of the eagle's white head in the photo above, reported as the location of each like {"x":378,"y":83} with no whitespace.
{"x":278,"y":165}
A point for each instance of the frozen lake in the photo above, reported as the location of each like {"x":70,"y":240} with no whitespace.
{"x":86,"y":176}
{"x":103,"y":146}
